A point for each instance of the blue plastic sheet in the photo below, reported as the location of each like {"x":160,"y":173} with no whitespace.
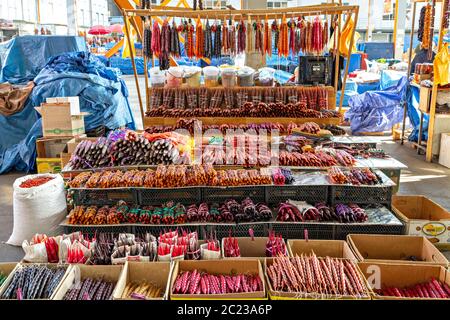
{"x":413,"y":96}
{"x":390,"y":78}
{"x":101,"y":92}
{"x":22,"y":58}
{"x":375,"y":111}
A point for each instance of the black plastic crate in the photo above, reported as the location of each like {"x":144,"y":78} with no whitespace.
{"x":101,"y":197}
{"x":156,"y":230}
{"x":238,"y":230}
{"x":158,"y":196}
{"x":361,"y":194}
{"x":342,"y":230}
{"x":311,"y":194}
{"x":210,"y":195}
{"x":296,"y":230}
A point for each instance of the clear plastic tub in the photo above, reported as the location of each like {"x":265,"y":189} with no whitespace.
{"x":157,"y":77}
{"x":228,"y":77}
{"x":211,"y":76}
{"x":192,"y":75}
{"x":266,"y":77}
{"x":174,"y":77}
{"x":245,"y":77}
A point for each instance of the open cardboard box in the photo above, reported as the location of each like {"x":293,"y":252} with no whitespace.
{"x":395,"y":248}
{"x":401,"y":275}
{"x":107,"y":273}
{"x":6,"y":268}
{"x":225,"y":267}
{"x":250,"y":248}
{"x":282,"y":295}
{"x":321,"y":248}
{"x":20,"y":265}
{"x":423,"y":217}
{"x":157,"y":273}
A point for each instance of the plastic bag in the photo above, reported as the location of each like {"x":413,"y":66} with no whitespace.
{"x":38,"y":209}
{"x":441,"y":66}
{"x":34,"y":252}
{"x":208,"y":254}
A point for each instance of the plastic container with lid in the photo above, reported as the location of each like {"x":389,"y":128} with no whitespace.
{"x":246,"y":77}
{"x":211,"y":75}
{"x":174,"y":77}
{"x":192,"y":75}
{"x":228,"y":77}
{"x":157,"y":77}
{"x":266,"y":76}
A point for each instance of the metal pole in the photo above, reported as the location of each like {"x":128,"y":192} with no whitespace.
{"x":130,"y":44}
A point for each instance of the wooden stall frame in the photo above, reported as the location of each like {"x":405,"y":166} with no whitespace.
{"x":324,"y":9}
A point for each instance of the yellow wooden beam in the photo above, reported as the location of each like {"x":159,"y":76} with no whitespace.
{"x":115,"y":49}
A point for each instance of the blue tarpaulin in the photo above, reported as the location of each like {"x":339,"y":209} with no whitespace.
{"x":375,"y":111}
{"x":414,"y":115}
{"x":101,"y":92}
{"x":22,"y":58}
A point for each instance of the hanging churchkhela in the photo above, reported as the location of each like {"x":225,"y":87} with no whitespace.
{"x":147,"y":50}
{"x":225,"y":34}
{"x":250,"y":35}
{"x":174,"y":41}
{"x":165,"y":46}
{"x":232,"y":39}
{"x":189,"y":43}
{"x":208,"y":45}
{"x":259,"y":39}
{"x":199,"y":40}
{"x":241,"y":40}
{"x":267,"y":38}
{"x":156,"y":39}
{"x":276,"y":33}
{"x":217,"y":49}
{"x":283,"y":45}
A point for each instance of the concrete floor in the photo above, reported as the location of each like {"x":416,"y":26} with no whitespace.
{"x":421,"y":178}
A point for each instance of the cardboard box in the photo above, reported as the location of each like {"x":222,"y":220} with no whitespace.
{"x":321,"y":248}
{"x":73,"y":143}
{"x":395,"y":249}
{"x":423,"y":217}
{"x":57,"y":120}
{"x":50,"y":265}
{"x":229,"y":266}
{"x":6,"y":269}
{"x":401,"y":276}
{"x":51,"y":147}
{"x":157,"y":273}
{"x":283,"y":295}
{"x":74,"y":103}
{"x":79,"y":272}
{"x":65,"y":158}
{"x":444,"y":153}
{"x":249,"y":248}
{"x":48,"y":165}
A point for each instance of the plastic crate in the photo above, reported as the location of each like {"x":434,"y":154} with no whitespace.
{"x":296,"y":230}
{"x":256,"y":193}
{"x":260,"y":229}
{"x":342,"y":230}
{"x":95,"y":230}
{"x":158,"y":196}
{"x":361,"y":194}
{"x":101,"y":197}
{"x":311,"y":194}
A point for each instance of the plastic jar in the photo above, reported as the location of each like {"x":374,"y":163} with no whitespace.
{"x":211,"y":75}
{"x":157,"y":77}
{"x":266,"y":76}
{"x":228,"y":77}
{"x":245,"y":77}
{"x":192,"y":75}
{"x":174,"y":77}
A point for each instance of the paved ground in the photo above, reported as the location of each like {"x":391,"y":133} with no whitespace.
{"x":421,"y":177}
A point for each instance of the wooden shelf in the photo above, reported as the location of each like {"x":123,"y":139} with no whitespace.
{"x":162,"y":121}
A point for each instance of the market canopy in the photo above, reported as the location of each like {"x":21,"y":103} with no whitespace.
{"x":116,"y":28}
{"x":99,"y":30}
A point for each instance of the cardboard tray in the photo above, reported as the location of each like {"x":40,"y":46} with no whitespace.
{"x":281,"y":295}
{"x":322,"y":248}
{"x":423,"y":217}
{"x":152,"y":272}
{"x":228,"y":266}
{"x":402,"y":275}
{"x":6,"y":268}
{"x":395,"y":249}
{"x":50,"y":265}
{"x":250,"y":248}
{"x":108,"y":273}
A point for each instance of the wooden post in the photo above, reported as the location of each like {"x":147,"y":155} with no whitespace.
{"x":434,"y":92}
{"x":337,"y":36}
{"x":411,"y":39}
{"x":136,"y":78}
{"x":344,"y":81}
